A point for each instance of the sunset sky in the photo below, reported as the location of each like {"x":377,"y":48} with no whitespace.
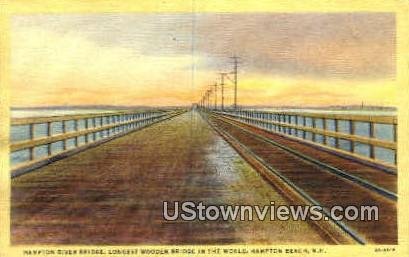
{"x":305,"y":59}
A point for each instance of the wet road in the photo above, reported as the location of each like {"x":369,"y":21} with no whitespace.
{"x":113,"y":194}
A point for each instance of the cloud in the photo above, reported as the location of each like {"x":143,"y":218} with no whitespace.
{"x":316,"y":45}
{"x":69,"y":69}
{"x":352,"y":46}
{"x":284,"y":91}
{"x":152,"y":59}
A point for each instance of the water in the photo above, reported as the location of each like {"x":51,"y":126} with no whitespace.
{"x":48,"y":112}
{"x":381,"y":131}
{"x":352,"y":112}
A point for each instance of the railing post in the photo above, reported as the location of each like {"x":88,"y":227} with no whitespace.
{"x":31,"y":136}
{"x":93,"y":126}
{"x":86,"y":128}
{"x":395,"y":139}
{"x":336,"y":131}
{"x":64,"y":143}
{"x":352,"y":131}
{"x":76,"y":129}
{"x":108,"y":119}
{"x":49,"y":134}
{"x":371,"y":135}
{"x":395,"y":133}
{"x":313,"y":126}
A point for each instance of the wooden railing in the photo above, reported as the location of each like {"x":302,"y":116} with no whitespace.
{"x":371,"y":138}
{"x":39,"y":139}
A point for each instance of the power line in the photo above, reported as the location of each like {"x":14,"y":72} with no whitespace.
{"x":205,"y":102}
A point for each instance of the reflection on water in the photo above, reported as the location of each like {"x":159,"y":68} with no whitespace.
{"x":222,"y":157}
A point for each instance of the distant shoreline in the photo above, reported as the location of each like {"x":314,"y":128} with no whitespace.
{"x":332,"y":108}
{"x":82,"y":107}
{"x":116,"y":107}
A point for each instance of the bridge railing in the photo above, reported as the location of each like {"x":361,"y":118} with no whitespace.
{"x":368,"y":137}
{"x":36,"y":139}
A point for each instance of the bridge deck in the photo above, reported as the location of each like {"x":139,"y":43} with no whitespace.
{"x":297,"y":163}
{"x":371,"y":174}
{"x":113,"y":194}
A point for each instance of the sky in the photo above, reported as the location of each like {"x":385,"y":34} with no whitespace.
{"x":297,"y":59}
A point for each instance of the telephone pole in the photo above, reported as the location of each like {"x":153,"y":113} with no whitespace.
{"x":222,"y":74}
{"x":209,"y":91}
{"x":235,"y":67}
{"x":205,"y":100}
{"x":215,"y":94}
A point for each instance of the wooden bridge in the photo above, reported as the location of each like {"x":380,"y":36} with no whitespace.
{"x":102,"y":178}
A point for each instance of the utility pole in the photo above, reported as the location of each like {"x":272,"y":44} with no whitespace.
{"x":205,"y":100}
{"x":235,"y":67}
{"x":209,"y":91}
{"x":222,"y":74}
{"x":210,"y":103}
{"x":215,"y":94}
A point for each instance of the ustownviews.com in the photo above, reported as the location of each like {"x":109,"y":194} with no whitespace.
{"x":190,"y":211}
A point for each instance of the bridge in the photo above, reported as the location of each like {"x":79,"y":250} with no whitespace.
{"x":102,"y":178}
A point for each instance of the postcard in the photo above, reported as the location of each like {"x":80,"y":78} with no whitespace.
{"x":204,"y":128}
